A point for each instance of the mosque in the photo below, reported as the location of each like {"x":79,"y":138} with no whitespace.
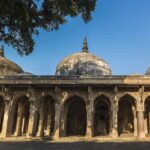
{"x":83,"y":98}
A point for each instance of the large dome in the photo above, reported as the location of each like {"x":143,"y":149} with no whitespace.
{"x":7,"y":67}
{"x":83,"y":64}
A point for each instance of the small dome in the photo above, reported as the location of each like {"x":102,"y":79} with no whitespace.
{"x":147,"y":72}
{"x":7,"y":67}
{"x":135,"y":74}
{"x":25,"y":74}
{"x":83,"y":64}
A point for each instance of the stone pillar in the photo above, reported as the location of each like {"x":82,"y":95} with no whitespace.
{"x":18,"y":131}
{"x":140,"y":113}
{"x":36,"y":121}
{"x":41,"y":121}
{"x":23,"y":124}
{"x":2,"y":111}
{"x":140,"y":124}
{"x":110,"y":123}
{"x":10,"y":121}
{"x":114,"y":110}
{"x":115,"y":123}
{"x":89,"y":125}
{"x":148,"y":122}
{"x":145,"y":126}
{"x":57,"y":121}
{"x":31,"y":127}
{"x":135,"y":122}
{"x":48,"y":120}
{"x":5,"y":120}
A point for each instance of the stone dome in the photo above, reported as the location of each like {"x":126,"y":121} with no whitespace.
{"x":83,"y":64}
{"x":7,"y":67}
{"x":25,"y":74}
{"x":147,"y":71}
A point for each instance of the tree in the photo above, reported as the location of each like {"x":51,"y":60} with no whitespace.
{"x":20,"y":20}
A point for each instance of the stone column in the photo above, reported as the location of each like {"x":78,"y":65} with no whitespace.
{"x":58,"y":108}
{"x":140,"y":113}
{"x":89,"y":125}
{"x":48,"y":120}
{"x":148,"y":122}
{"x":140,"y":124}
{"x":32,"y":115}
{"x":10,"y":121}
{"x":115,"y":123}
{"x":41,"y":121}
{"x":114,"y":110}
{"x":5,"y":120}
{"x":110,"y":123}
{"x":135,"y":123}
{"x":18,"y":131}
{"x":36,"y":121}
{"x":2,"y":111}
{"x":145,"y":126}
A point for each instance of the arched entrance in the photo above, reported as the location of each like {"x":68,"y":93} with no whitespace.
{"x":126,"y":115}
{"x":2,"y":107}
{"x":101,"y":124}
{"x":76,"y":116}
{"x":147,"y":114}
{"x":21,"y":116}
{"x":47,"y":116}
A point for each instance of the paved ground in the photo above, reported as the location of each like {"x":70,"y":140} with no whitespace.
{"x":44,"y":145}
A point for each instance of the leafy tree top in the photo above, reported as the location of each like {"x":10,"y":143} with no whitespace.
{"x":21,"y":19}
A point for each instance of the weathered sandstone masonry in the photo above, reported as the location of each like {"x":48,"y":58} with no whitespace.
{"x":52,"y":106}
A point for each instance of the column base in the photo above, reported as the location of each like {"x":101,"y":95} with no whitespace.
{"x":28,"y":136}
{"x":115,"y":135}
{"x":56,"y":135}
{"x":39,"y":134}
{"x":89,"y":132}
{"x":141,"y":135}
{"x":140,"y":124}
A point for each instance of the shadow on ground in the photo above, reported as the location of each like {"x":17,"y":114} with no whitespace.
{"x":45,"y":145}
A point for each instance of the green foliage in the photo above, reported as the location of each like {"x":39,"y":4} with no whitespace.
{"x":21,"y":19}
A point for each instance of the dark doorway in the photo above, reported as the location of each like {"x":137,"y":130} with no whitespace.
{"x":102,"y":116}
{"x":76,"y":116}
{"x":126,"y":115}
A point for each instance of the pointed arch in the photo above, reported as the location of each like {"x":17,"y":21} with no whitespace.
{"x":46,"y":119}
{"x":101,"y":124}
{"x":75,"y":116}
{"x":126,"y":114}
{"x":129,"y":98}
{"x":73,"y":96}
{"x":21,"y":112}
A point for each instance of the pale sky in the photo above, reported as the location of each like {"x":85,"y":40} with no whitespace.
{"x":119,"y":32}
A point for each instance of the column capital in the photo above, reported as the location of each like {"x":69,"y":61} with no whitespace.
{"x":31,"y":93}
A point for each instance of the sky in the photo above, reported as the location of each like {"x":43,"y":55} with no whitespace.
{"x":119,"y":32}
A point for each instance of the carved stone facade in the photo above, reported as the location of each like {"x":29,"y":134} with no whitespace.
{"x":118,"y":106}
{"x":80,"y":105}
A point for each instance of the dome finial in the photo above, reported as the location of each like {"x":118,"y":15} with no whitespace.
{"x":85,"y":46}
{"x":2,"y":51}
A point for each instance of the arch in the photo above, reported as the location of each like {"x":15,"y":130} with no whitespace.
{"x":147,"y":114}
{"x":127,"y":94}
{"x":126,"y":114}
{"x":46,"y":94}
{"x":21,"y":112}
{"x":72,"y":95}
{"x":46,"y":117}
{"x":75,"y":116}
{"x":101,"y":124}
{"x":2,"y":107}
